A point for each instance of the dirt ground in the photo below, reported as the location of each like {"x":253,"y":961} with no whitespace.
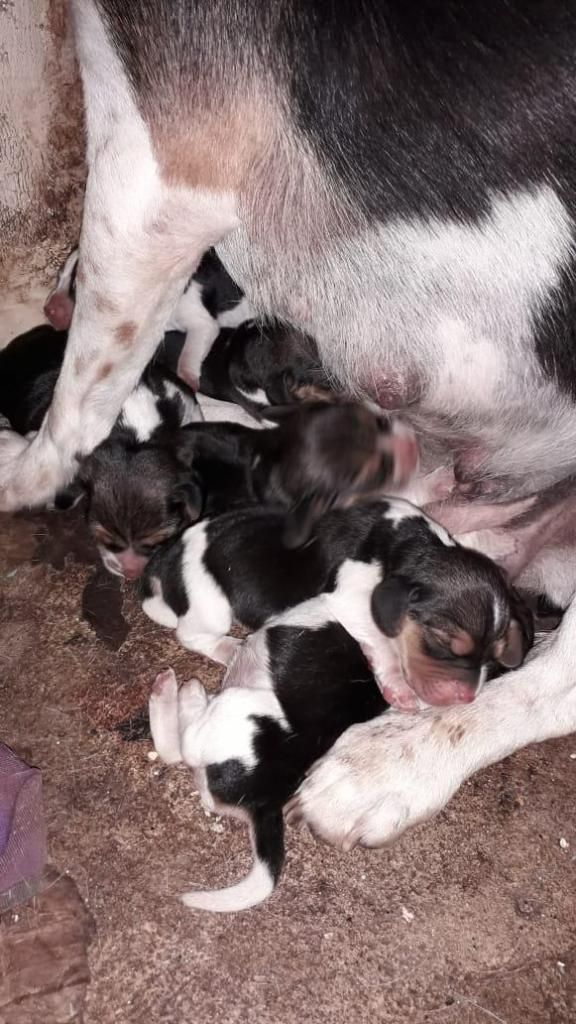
{"x":468,"y":919}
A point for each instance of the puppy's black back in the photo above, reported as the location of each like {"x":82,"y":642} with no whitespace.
{"x":324,"y":685}
{"x":221,"y":456}
{"x":261,"y":577}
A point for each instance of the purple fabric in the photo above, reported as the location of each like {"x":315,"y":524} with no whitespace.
{"x":22,"y":828}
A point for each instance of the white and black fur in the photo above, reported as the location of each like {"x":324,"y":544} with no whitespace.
{"x":261,"y":364}
{"x":292,"y":689}
{"x":310,"y":673}
{"x":141,"y":483}
{"x":406,"y":194}
{"x":211,"y":302}
{"x":370,"y":562}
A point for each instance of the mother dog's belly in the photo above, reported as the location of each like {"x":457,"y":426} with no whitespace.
{"x":436,"y":318}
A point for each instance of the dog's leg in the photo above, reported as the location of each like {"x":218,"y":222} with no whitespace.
{"x":388,"y":774}
{"x":164,"y":721}
{"x":142,"y":237}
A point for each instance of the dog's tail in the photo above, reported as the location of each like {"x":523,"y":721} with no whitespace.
{"x":267,"y":836}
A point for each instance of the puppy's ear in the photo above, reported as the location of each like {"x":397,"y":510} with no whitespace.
{"x":514,"y":646}
{"x":390,"y":603}
{"x":188,"y":498}
{"x":302,"y":518}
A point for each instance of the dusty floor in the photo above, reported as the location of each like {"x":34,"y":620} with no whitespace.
{"x":469,"y":919}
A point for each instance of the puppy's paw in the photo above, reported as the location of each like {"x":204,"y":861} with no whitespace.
{"x":165,"y":686}
{"x":192,"y":694}
{"x":380,"y":778}
{"x":163,"y":710}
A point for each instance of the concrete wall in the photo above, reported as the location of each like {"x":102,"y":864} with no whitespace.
{"x":41,"y":154}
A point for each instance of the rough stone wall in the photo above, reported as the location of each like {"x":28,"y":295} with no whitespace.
{"x":41,"y":154}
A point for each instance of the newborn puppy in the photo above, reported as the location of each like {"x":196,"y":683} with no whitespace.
{"x":293,"y":688}
{"x":261,"y":364}
{"x":295,"y":685}
{"x":210,"y":302}
{"x":431,"y":616}
{"x":139,"y":492}
{"x":29,"y":368}
{"x":323,"y":456}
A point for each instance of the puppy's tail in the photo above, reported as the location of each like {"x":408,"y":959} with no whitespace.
{"x":267,"y":837}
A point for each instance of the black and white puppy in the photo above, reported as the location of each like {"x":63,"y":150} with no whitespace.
{"x":380,"y":567}
{"x":211,"y":301}
{"x":262,"y":364}
{"x":299,"y":682}
{"x":141,"y":485}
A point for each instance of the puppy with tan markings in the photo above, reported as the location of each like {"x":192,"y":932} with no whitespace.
{"x":265,"y":363}
{"x":443,"y":616}
{"x":430,"y":616}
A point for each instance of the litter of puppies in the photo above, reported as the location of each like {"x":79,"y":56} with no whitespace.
{"x":269,"y":499}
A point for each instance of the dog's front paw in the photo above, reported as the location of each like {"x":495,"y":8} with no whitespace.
{"x":30,"y":471}
{"x":380,"y":778}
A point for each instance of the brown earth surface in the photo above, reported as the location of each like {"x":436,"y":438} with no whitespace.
{"x":468,"y":919}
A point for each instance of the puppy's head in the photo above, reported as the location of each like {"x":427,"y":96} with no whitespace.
{"x":330,"y":455}
{"x":452,"y":616}
{"x":138,"y":498}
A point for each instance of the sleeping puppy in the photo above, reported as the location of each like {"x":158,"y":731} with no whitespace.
{"x":210,"y":302}
{"x":29,"y":368}
{"x":261,"y":364}
{"x":139,"y":490}
{"x":370,"y":562}
{"x":151,"y":479}
{"x":298,"y":683}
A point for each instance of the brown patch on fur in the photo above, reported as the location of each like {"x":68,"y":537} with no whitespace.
{"x":125,"y":333}
{"x":104,"y":371}
{"x":102,"y":304}
{"x":455,"y":734}
{"x":312,"y":393}
{"x":459,"y":641}
{"x":153,"y":539}
{"x":80,"y":364}
{"x":214,"y":149}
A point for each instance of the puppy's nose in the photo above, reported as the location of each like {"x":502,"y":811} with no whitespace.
{"x":131,"y":574}
{"x":131,"y":565}
{"x":400,"y":444}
